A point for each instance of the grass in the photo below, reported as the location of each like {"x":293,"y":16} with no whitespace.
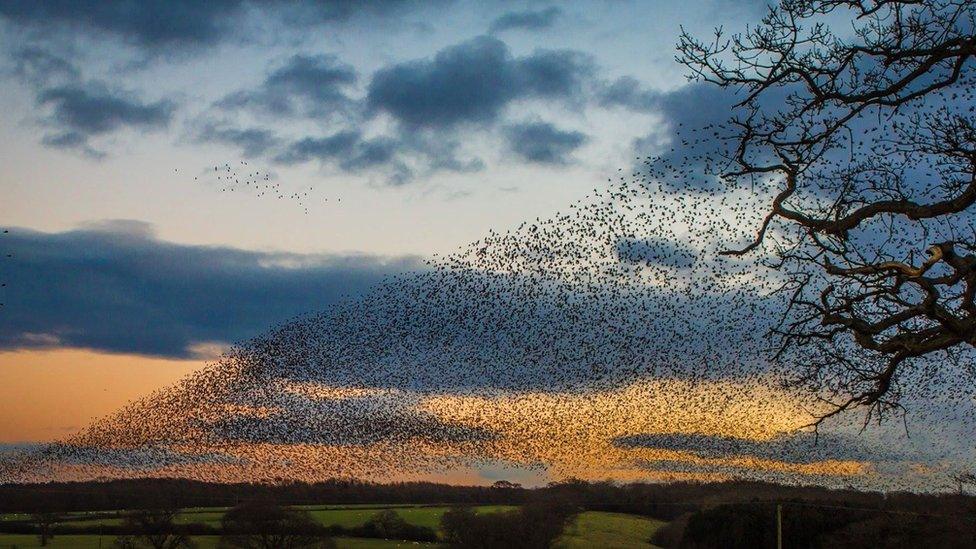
{"x":202,"y":542}
{"x":419,"y":516}
{"x":589,"y":529}
{"x":616,"y":530}
{"x":343,"y":515}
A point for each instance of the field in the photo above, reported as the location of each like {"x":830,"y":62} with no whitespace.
{"x":420,"y":516}
{"x":342,"y":515}
{"x":202,"y":542}
{"x":588,"y":529}
{"x":617,"y":530}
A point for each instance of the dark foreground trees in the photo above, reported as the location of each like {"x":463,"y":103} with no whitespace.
{"x":865,"y":141}
{"x":155,"y":527}
{"x":44,"y":522}
{"x":535,"y":525}
{"x":263,"y":524}
{"x":753,"y":526}
{"x":388,"y":524}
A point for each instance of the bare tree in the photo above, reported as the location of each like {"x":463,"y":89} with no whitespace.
{"x":865,"y":142}
{"x":45,"y":523}
{"x":263,"y":524}
{"x":157,"y":527}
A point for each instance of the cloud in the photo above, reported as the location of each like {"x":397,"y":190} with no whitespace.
{"x":114,"y":287}
{"x":94,"y":109}
{"x":627,"y":92}
{"x":542,"y":143}
{"x":150,"y":23}
{"x":473,"y":82}
{"x":165,"y":26}
{"x":72,"y":140}
{"x":351,"y":152}
{"x":251,"y":141}
{"x":692,"y":131}
{"x":371,"y":152}
{"x":529,"y":20}
{"x":77,"y":110}
{"x":799,"y":447}
{"x":651,"y":251}
{"x":313,"y":85}
{"x":320,"y":148}
{"x":464,"y":87}
{"x":38,"y":66}
{"x":80,"y":111}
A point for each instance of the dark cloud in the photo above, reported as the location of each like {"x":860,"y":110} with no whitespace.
{"x":94,"y":109}
{"x":351,"y":152}
{"x":468,"y":83}
{"x":149,"y":23}
{"x":441,"y":152}
{"x":38,"y":66}
{"x":370,"y":153}
{"x":80,"y":111}
{"x":627,"y":92}
{"x":543,"y":143}
{"x":530,"y":20}
{"x":116,"y":288}
{"x":165,"y":26}
{"x":690,"y":137}
{"x":313,"y":85}
{"x":656,"y":252}
{"x":324,"y":149}
{"x":473,"y":82}
{"x":301,"y":13}
{"x":76,"y":110}
{"x":799,"y":447}
{"x":251,"y":141}
{"x":685,"y":110}
{"x":72,"y":140}
{"x":695,"y":136}
{"x":553,"y":74}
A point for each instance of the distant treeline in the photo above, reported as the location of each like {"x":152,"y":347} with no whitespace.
{"x":699,"y":515}
{"x":662,"y":501}
{"x":139,"y":493}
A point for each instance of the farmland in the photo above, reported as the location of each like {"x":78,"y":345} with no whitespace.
{"x":588,"y":529}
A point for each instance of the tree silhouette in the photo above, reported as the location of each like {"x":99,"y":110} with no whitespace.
{"x":865,"y":143}
{"x":157,"y":527}
{"x":45,"y":523}
{"x":263,"y":524}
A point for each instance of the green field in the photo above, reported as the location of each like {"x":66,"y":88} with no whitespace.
{"x":616,"y":530}
{"x":202,"y":542}
{"x":588,"y":529}
{"x":419,"y":516}
{"x":347,"y":516}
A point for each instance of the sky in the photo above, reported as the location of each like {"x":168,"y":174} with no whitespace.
{"x":180,"y":177}
{"x":111,"y":124}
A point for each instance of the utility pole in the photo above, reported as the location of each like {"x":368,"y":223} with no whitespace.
{"x":779,"y":526}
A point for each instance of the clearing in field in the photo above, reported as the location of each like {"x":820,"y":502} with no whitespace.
{"x":616,"y":530}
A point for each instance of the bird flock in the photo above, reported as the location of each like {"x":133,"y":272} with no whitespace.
{"x":242,"y":178}
{"x":610,"y":341}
